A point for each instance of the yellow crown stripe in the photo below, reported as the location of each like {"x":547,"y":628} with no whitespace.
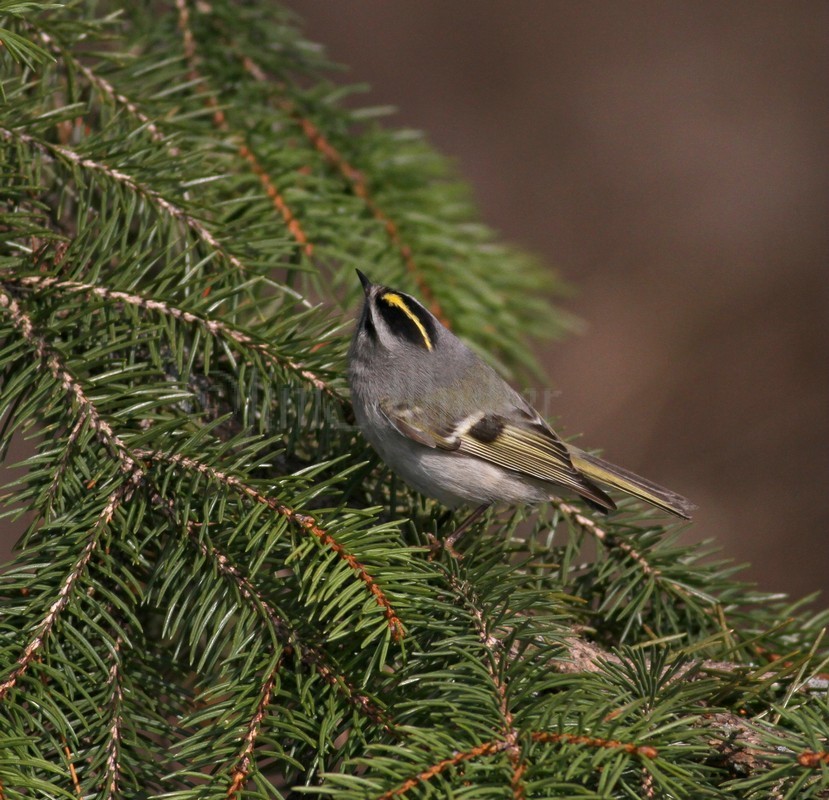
{"x":398,"y":302}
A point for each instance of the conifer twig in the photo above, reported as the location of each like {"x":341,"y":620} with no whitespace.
{"x":592,"y":527}
{"x":500,"y":745}
{"x":648,"y":789}
{"x":241,"y":770}
{"x":641,"y":750}
{"x":356,"y":181}
{"x":243,"y":148}
{"x":136,"y":476}
{"x":66,"y":455}
{"x":215,"y":327}
{"x":118,"y":176}
{"x":44,"y":628}
{"x":105,"y":87}
{"x":73,"y":773}
{"x":156,"y":134}
{"x":485,"y":749}
{"x":284,"y":633}
{"x":305,"y":522}
{"x":494,"y":649}
{"x":115,"y":681}
{"x":48,"y":357}
{"x":115,"y":446}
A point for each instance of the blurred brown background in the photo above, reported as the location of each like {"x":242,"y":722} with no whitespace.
{"x":670,"y":160}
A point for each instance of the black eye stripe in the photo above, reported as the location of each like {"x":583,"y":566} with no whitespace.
{"x":368,"y":327}
{"x":367,"y":323}
{"x":406,"y":318}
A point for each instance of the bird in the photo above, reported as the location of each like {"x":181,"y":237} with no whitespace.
{"x":454,"y":430}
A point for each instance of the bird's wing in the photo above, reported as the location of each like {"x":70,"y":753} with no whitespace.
{"x":527,"y":446}
{"x":411,"y":422}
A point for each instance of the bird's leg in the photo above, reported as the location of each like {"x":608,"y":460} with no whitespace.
{"x":449,"y":542}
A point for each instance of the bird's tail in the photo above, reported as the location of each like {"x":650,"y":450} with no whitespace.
{"x":609,"y":474}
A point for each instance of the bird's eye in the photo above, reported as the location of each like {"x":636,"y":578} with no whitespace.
{"x":368,"y":326}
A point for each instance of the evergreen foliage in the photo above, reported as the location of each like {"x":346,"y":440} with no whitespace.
{"x":222,"y":592}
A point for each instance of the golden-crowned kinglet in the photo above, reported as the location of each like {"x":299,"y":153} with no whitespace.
{"x":454,"y":430}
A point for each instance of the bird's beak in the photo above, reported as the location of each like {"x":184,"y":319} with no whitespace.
{"x":365,"y":281}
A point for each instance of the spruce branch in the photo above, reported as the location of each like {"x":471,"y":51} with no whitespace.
{"x":73,"y":577}
{"x":73,"y":773}
{"x":63,"y":464}
{"x":643,"y":751}
{"x":282,"y":633}
{"x":485,"y":749}
{"x":219,"y":119}
{"x":106,"y":89}
{"x":354,"y":178}
{"x":242,"y":768}
{"x":209,"y":599}
{"x":71,"y":386}
{"x":165,"y":206}
{"x":136,"y":475}
{"x":215,"y":327}
{"x":113,"y":747}
{"x":305,"y":522}
{"x":592,"y":527}
{"x":500,"y":746}
{"x":494,"y":655}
